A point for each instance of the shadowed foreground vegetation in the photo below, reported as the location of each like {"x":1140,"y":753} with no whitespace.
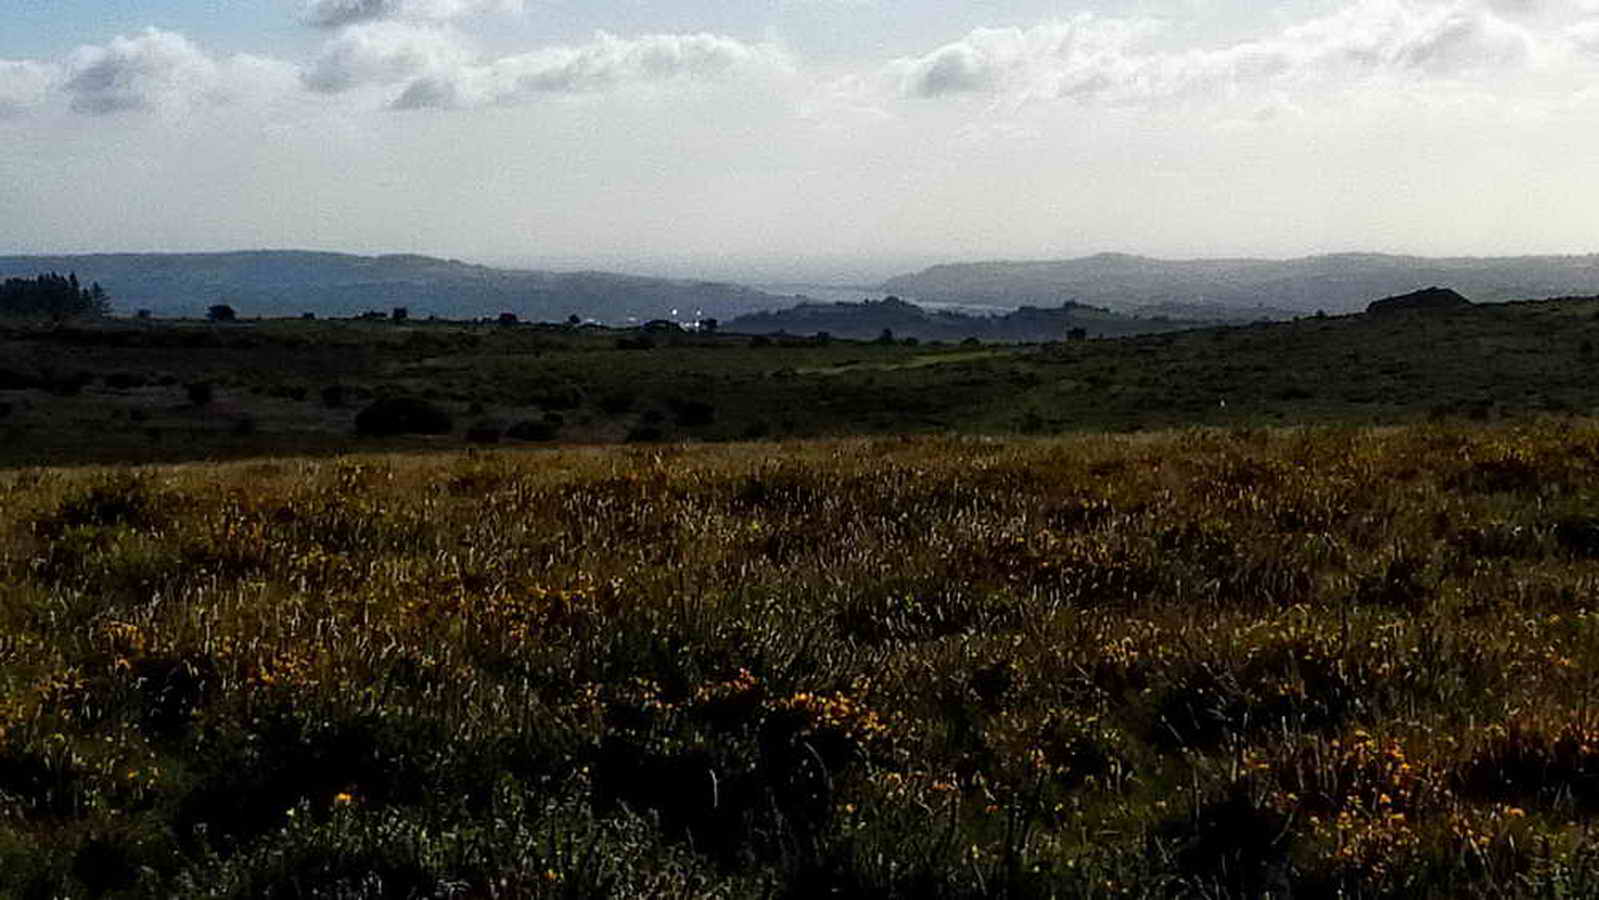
{"x":1213,"y":663}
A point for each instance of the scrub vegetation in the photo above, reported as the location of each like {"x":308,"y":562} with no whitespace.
{"x":166,"y":391}
{"x":1317,"y":661}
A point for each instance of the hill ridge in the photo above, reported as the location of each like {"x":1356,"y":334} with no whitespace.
{"x":269,"y":282}
{"x":1333,"y":282}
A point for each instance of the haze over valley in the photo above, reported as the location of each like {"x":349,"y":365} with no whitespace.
{"x":1114,"y":293}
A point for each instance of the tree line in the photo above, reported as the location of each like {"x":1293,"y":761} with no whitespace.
{"x":52,"y":296}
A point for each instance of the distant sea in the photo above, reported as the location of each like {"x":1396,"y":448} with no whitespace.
{"x":852,"y":293}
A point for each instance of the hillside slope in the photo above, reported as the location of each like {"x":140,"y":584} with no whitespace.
{"x":291,"y":282}
{"x":1336,"y":283}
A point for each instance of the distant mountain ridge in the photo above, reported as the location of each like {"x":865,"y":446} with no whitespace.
{"x":291,"y":282}
{"x":1336,"y":283}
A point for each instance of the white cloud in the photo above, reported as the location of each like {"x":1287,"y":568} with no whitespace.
{"x":23,"y":85}
{"x":1091,"y":58}
{"x":606,"y":63}
{"x":136,"y":73}
{"x":1584,"y":36}
{"x":1435,"y":39}
{"x":384,"y":53}
{"x":338,"y":13}
{"x":1075,"y":55}
{"x":157,"y":69}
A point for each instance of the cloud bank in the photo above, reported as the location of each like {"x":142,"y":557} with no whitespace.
{"x":416,"y":54}
{"x":1091,"y":58}
{"x":606,"y":63}
{"x":383,"y":53}
{"x":437,"y":70}
{"x":160,"y":69}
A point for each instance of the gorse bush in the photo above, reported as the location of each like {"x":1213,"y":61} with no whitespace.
{"x":403,"y":415}
{"x":1309,"y":663}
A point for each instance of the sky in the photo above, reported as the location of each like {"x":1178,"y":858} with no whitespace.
{"x":800,"y":139}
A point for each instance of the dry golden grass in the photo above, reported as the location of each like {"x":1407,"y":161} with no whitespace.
{"x":1203,"y":662}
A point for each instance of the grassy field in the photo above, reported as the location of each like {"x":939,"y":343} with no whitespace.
{"x":119,"y":392}
{"x":1212,"y":662}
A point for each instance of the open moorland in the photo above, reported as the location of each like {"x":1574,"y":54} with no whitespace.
{"x":171,"y":390}
{"x":1295,"y":609}
{"x":1213,"y":662}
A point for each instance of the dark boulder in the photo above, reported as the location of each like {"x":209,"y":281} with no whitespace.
{"x":1426,"y":300}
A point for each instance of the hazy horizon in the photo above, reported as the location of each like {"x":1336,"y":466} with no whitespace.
{"x":758,"y":139}
{"x":838,"y":276}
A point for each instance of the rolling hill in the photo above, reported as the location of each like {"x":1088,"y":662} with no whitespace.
{"x":290,"y":282}
{"x":1336,"y":283}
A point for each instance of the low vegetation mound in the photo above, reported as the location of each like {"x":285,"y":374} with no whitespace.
{"x":403,"y":415}
{"x":1425,"y":300}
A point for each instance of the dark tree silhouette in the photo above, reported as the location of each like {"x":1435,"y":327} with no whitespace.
{"x":53,"y":297}
{"x":221,"y":312}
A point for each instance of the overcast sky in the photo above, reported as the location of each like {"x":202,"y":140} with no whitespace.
{"x":795,"y":138}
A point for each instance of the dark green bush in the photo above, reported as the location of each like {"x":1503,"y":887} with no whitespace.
{"x":403,"y":415}
{"x":529,"y":430}
{"x":694,"y":413}
{"x":484,"y":433}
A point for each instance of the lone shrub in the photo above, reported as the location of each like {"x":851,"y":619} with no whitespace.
{"x":484,"y":433}
{"x":122,"y":381}
{"x":70,"y":385}
{"x":529,"y":430}
{"x":561,"y":396}
{"x":403,"y":415}
{"x":617,"y":402}
{"x":18,"y":381}
{"x":695,"y":413}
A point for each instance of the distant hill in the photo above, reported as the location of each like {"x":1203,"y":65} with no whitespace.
{"x":290,"y":282}
{"x":1335,"y":283}
{"x":869,"y":319}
